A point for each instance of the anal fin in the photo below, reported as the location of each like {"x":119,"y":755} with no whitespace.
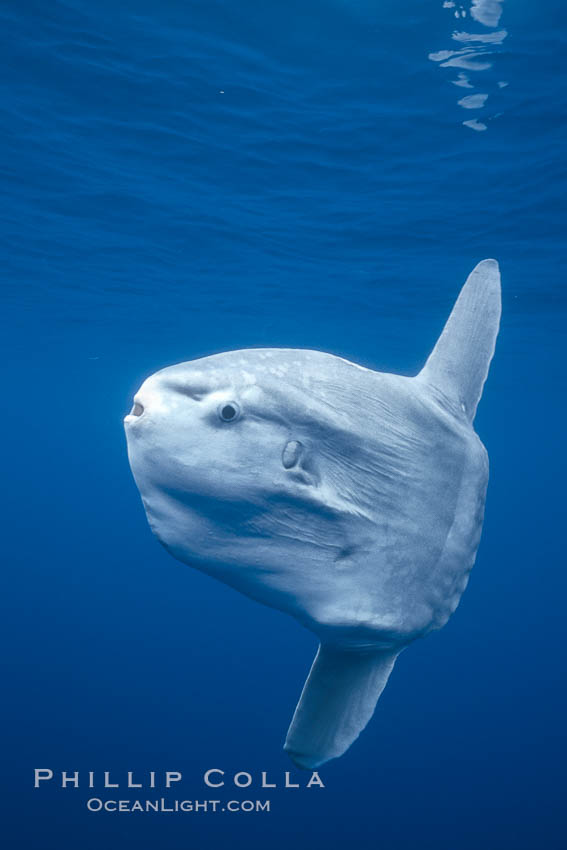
{"x":337,"y":701}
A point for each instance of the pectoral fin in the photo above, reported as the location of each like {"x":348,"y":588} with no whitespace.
{"x":458,"y":365}
{"x":338,"y":700}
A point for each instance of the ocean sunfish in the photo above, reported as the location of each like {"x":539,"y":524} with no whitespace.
{"x":350,"y":499}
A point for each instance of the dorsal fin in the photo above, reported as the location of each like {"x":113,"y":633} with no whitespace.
{"x":458,"y":365}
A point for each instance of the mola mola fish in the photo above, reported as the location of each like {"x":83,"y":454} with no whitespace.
{"x":350,"y":499}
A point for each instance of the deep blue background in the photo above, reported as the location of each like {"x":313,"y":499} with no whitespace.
{"x":329,"y":198}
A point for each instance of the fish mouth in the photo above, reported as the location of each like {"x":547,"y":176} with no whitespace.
{"x":136,"y":412}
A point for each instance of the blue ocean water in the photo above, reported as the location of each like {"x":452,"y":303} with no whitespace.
{"x":186,"y":178}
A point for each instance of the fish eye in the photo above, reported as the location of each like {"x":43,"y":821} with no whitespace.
{"x":229,"y":411}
